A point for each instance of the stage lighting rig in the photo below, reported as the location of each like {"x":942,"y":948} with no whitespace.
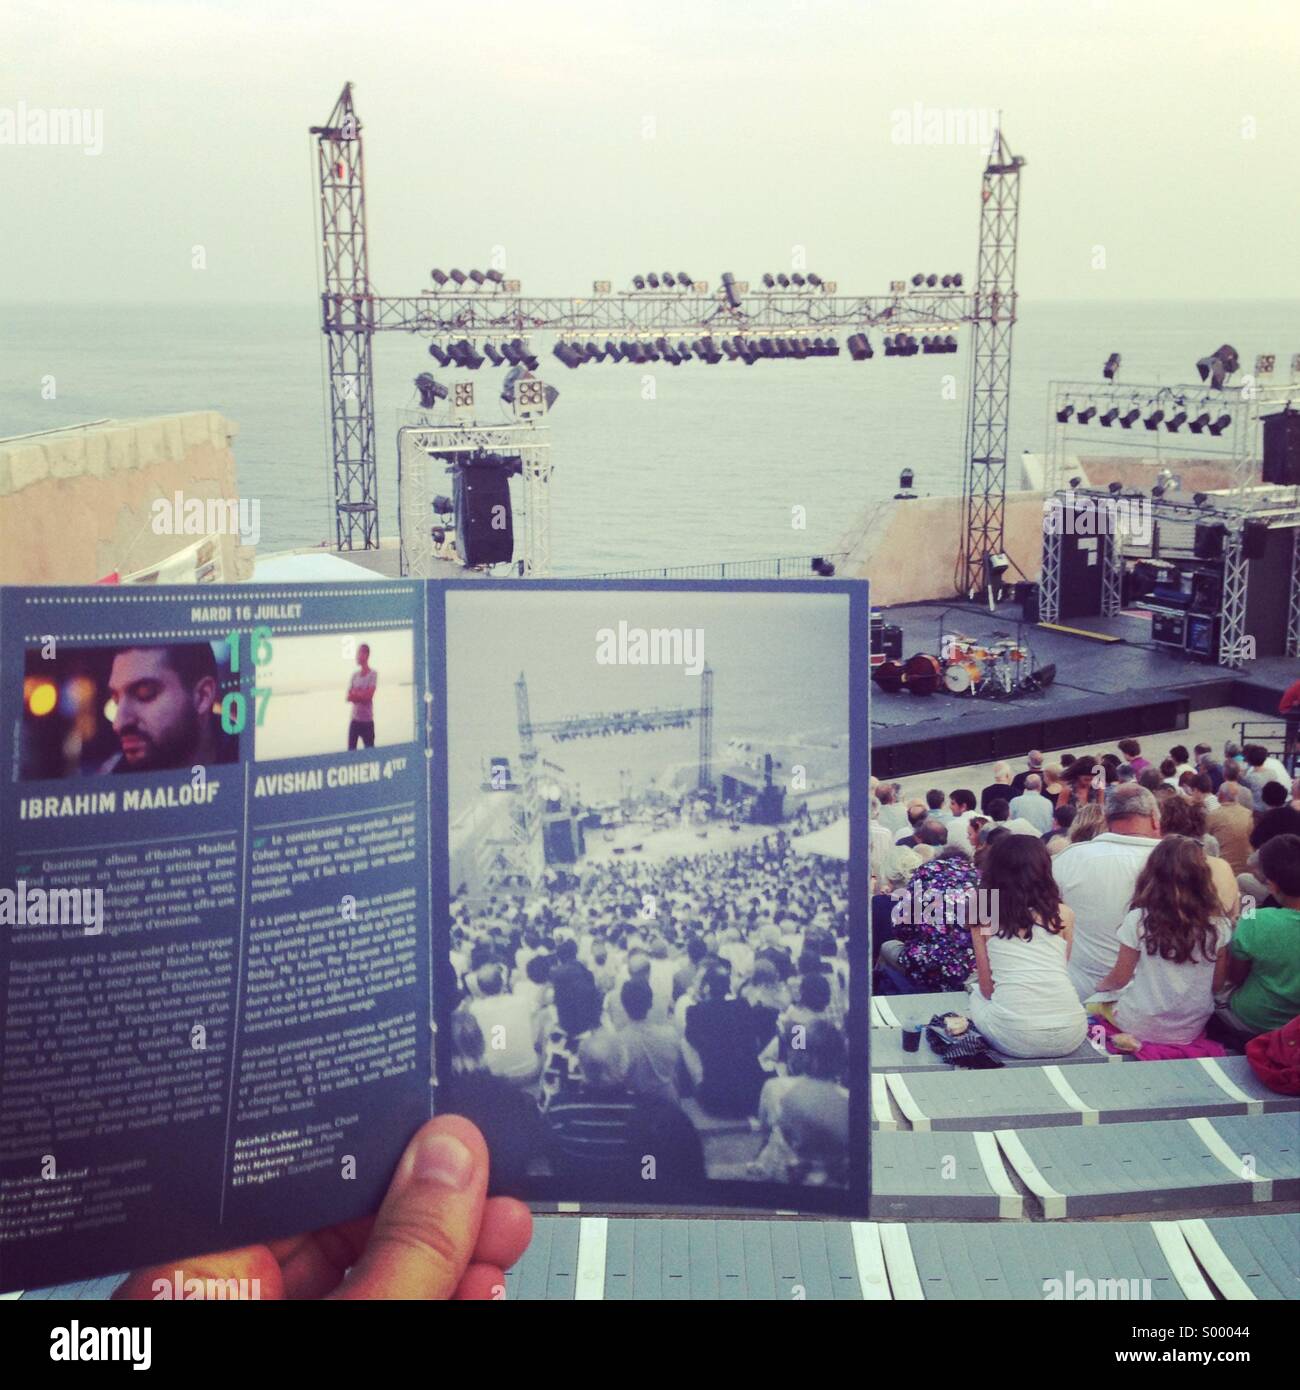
{"x":431,"y":391}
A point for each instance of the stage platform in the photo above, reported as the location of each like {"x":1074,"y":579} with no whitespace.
{"x":1111,"y":682}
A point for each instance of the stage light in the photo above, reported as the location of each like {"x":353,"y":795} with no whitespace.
{"x":1219,"y":366}
{"x":684,"y":280}
{"x":950,"y":343}
{"x":493,"y":355}
{"x":439,"y":277}
{"x":439,"y":355}
{"x":1199,"y":498}
{"x":1157,"y":492}
{"x":1085,"y":415}
{"x":458,"y":276}
{"x":946,"y":282}
{"x":917,"y":281}
{"x":652,"y":280}
{"x":931,"y":281}
{"x":769,"y":280}
{"x":496,"y":277}
{"x":1129,"y":418}
{"x":859,"y":346}
{"x":431,"y":391}
{"x":833,"y":348}
{"x":730,"y":349}
{"x":1074,"y":482}
{"x":797,"y":279}
{"x":927,"y":344}
{"x":890,"y":349}
{"x":798,"y":347}
{"x":1152,"y":421}
{"x":1111,"y":367}
{"x":766,"y":347}
{"x":683,"y":351}
{"x":783,"y":347}
{"x":477,"y":276}
{"x":784,"y":281}
{"x":1114,"y":489}
{"x":1109,"y":417}
{"x":1175,"y":421}
{"x":668,"y":279}
{"x":444,"y":506}
{"x":729,"y":289}
{"x":568,"y":355}
{"x":814,"y":280}
{"x":1200,"y":422}
{"x":1064,"y":414}
{"x":1221,"y":424}
{"x":638,"y":282}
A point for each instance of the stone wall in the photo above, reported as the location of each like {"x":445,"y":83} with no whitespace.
{"x":77,"y":504}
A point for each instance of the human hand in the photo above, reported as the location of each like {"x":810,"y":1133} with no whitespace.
{"x":436,"y":1236}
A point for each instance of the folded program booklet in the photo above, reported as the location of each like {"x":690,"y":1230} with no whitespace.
{"x":287,"y":869}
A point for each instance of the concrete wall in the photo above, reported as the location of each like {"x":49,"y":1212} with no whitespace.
{"x":77,"y":504}
{"x":908,"y":549}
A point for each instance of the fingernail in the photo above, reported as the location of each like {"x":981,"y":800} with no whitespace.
{"x":443,"y":1159}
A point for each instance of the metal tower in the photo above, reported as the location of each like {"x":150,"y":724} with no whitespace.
{"x":705,"y":778}
{"x":984,"y":486}
{"x":347,"y":319}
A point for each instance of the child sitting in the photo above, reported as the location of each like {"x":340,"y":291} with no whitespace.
{"x":1264,"y":958}
{"x":1172,"y":958}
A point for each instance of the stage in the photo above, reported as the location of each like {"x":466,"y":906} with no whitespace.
{"x":1111,"y":684}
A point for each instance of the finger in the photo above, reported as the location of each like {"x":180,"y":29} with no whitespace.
{"x":312,"y":1265}
{"x":482,"y":1283}
{"x":506,"y":1230}
{"x":252,"y":1272}
{"x":427,"y":1227}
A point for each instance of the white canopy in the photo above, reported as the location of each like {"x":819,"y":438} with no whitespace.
{"x":831,"y":841}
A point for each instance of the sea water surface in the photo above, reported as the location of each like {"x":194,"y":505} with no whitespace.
{"x":653,"y":466}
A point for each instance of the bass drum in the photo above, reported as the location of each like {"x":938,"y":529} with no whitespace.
{"x":961,"y":676}
{"x":923,"y":673}
{"x":889,"y":677}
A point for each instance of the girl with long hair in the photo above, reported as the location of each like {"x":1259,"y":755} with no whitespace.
{"x":1025,"y":1004}
{"x":1172,"y":956}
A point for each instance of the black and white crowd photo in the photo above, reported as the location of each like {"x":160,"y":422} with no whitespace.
{"x":649,"y":836}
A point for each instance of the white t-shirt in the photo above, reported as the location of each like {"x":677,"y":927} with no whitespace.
{"x":1271,"y":770}
{"x":1031,"y":985}
{"x":1096,"y":878}
{"x":1164,"y":1002}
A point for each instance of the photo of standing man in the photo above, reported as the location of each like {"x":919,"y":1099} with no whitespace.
{"x":361,"y":696}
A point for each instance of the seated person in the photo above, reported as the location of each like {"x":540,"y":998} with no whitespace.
{"x":814,"y":1112}
{"x":724,"y":1033}
{"x":653,"y":1050}
{"x":1173,"y":956}
{"x":933,"y":950}
{"x":597,"y":1128}
{"x":1264,"y":957}
{"x":1025,"y":1003}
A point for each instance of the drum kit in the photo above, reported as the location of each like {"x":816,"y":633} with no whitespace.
{"x":964,"y":666}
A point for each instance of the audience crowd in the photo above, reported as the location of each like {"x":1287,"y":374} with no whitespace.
{"x":615,"y":1017}
{"x":1153,"y":901}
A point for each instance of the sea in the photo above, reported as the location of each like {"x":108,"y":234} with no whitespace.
{"x":654,"y":466}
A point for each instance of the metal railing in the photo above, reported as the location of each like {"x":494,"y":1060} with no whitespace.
{"x":773,"y":567}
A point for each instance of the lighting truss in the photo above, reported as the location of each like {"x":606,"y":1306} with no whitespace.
{"x":422,"y":448}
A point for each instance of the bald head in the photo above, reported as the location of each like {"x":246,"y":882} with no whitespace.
{"x":603,"y":1058}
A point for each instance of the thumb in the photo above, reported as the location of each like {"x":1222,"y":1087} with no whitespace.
{"x":426,"y":1229}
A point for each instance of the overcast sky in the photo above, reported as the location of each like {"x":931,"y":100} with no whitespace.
{"x":594,"y":140}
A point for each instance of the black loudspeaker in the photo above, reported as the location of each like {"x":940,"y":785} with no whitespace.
{"x":485,"y":532}
{"x":1282,"y":447}
{"x":1254,"y":540}
{"x":1027,"y":593}
{"x":559,"y":841}
{"x":1209,"y":540}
